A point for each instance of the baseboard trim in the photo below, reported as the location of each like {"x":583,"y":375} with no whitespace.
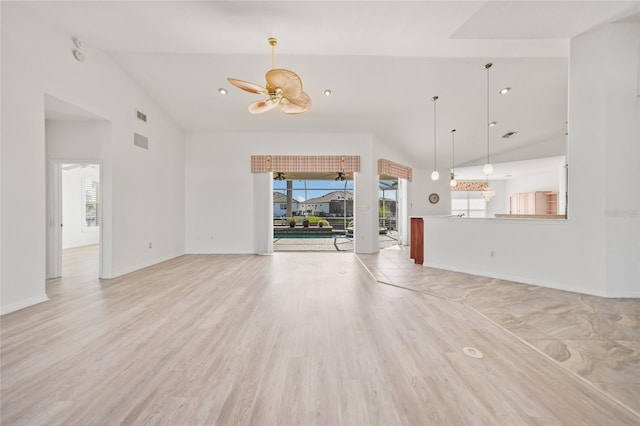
{"x":128,"y":270}
{"x":624,"y":295}
{"x":522,"y":279}
{"x":23,"y":304}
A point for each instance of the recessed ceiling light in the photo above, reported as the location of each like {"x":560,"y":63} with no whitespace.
{"x":505,"y":90}
{"x":327,"y":92}
{"x":493,"y":123}
{"x":509,"y":134}
{"x":222,"y":91}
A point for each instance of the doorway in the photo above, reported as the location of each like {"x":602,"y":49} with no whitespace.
{"x":74,"y":141}
{"x":313,"y":212}
{"x":74,"y":216}
{"x":81,"y":220}
{"x":388,"y":209}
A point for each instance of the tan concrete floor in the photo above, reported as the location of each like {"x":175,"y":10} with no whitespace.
{"x":596,"y":338}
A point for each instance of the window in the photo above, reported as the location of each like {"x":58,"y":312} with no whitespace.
{"x":90,"y":211}
{"x":310,"y":196}
{"x":468,"y":204}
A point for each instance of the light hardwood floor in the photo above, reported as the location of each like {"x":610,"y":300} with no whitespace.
{"x":294,"y":338}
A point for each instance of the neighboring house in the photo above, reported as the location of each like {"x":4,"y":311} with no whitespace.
{"x":330,"y":204}
{"x":280,"y":204}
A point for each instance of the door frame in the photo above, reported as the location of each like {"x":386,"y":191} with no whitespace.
{"x":54,"y":215}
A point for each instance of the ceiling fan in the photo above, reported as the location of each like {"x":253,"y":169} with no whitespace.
{"x":66,"y":167}
{"x":283,"y":88}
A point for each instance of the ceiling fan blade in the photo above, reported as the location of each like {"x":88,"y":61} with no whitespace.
{"x":297,"y":106}
{"x":249,"y":87}
{"x":262,"y":106}
{"x":288,"y":81}
{"x":71,"y":166}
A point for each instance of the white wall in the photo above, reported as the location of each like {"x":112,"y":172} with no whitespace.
{"x":622,"y":174}
{"x":597,"y":250}
{"x":143,"y":191}
{"x":220,"y":186}
{"x":76,"y":140}
{"x":73,"y":233}
{"x":413,"y":198}
{"x":547,"y":181}
{"x":420,"y":189}
{"x":499,"y":204}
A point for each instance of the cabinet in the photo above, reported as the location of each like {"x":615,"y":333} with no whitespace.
{"x":538,"y":203}
{"x":417,"y":240}
{"x":551,"y":202}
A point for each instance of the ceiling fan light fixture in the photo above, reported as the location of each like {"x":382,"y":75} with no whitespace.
{"x":488,"y":192}
{"x":283,"y":89}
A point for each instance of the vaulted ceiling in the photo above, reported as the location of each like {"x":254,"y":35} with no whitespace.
{"x":382,"y":60}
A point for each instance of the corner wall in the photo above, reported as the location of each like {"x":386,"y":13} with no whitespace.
{"x":597,"y":250}
{"x":220,"y":186}
{"x":143,"y":191}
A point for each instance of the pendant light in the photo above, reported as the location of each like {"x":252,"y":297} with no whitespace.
{"x":488,"y":192}
{"x":453,"y":182}
{"x":434,"y":174}
{"x":488,"y":168}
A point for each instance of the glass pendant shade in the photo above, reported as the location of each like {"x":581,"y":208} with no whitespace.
{"x":453,"y":182}
{"x":435,"y":175}
{"x":487,"y":169}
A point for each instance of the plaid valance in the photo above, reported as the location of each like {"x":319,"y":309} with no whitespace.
{"x":305,"y":163}
{"x":389,"y":168}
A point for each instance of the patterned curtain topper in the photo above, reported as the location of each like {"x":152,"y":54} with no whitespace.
{"x":305,"y":163}
{"x":389,"y":168}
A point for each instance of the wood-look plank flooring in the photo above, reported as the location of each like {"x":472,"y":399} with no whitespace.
{"x":294,"y":338}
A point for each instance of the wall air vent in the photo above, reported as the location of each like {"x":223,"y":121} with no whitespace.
{"x":509,"y":134}
{"x":141,"y":141}
{"x":141,"y":116}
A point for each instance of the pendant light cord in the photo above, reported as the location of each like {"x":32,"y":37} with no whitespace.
{"x":453,"y":151}
{"x":488,"y":115}
{"x":435,"y":98}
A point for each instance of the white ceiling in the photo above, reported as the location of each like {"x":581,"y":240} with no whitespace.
{"x":383,"y":60}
